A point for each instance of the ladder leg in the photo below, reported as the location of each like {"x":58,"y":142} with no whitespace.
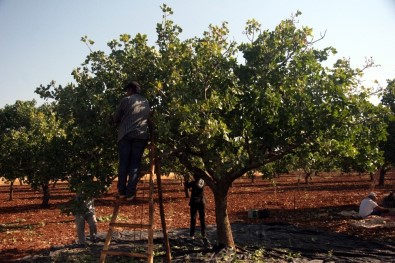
{"x":151,"y":207}
{"x":151,"y":221}
{"x":150,"y":249}
{"x":162,"y":211}
{"x":109,"y":233}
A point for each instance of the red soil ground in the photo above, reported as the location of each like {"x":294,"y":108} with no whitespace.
{"x":25,"y":228}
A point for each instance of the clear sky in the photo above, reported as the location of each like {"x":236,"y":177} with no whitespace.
{"x":40,"y":39}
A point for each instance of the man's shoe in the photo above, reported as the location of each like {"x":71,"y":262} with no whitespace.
{"x":79,"y":245}
{"x":120,"y":196}
{"x":206,"y":242}
{"x":130,"y":198}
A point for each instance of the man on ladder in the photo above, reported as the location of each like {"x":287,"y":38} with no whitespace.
{"x":135,"y":127}
{"x":133,"y":118}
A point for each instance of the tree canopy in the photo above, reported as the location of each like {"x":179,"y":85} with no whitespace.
{"x":31,"y":145}
{"x":221,"y":108}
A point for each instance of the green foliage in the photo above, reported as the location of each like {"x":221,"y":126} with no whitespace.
{"x":218,"y":118}
{"x":275,"y":168}
{"x":258,"y":255}
{"x":388,"y":146}
{"x":31,"y":144}
{"x":15,"y":123}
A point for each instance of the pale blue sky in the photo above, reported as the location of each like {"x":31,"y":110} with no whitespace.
{"x":40,"y":39}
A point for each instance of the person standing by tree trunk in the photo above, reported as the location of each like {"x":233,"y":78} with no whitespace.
{"x":197,"y":204}
{"x":133,"y":117}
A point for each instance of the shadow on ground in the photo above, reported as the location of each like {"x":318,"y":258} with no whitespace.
{"x":263,"y":242}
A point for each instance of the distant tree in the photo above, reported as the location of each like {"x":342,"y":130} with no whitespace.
{"x":46,"y":149}
{"x":276,"y":168}
{"x":388,"y":146}
{"x":14,"y":122}
{"x":355,"y":148}
{"x":368,"y":135}
{"x":31,"y":146}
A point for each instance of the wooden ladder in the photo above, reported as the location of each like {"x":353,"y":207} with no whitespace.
{"x":149,"y":227}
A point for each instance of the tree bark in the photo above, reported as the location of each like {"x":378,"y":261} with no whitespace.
{"x":371,"y":176}
{"x":383,"y":171}
{"x":307,"y":177}
{"x":46,"y":195}
{"x":54,"y":184}
{"x":224,"y":230}
{"x":11,"y":191}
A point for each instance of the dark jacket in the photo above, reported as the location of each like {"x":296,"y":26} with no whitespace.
{"x":197,"y":194}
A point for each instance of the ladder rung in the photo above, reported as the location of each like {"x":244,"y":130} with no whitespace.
{"x":130,"y":225}
{"x":122,"y":253}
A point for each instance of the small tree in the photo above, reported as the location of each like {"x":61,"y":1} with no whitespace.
{"x":14,"y":120}
{"x":31,"y":135}
{"x":46,"y":150}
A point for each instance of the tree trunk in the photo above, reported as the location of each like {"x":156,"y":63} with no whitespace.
{"x":224,"y":231}
{"x":307,"y":177}
{"x":371,"y":176}
{"x":11,"y":191}
{"x":46,"y":195}
{"x":383,"y":171}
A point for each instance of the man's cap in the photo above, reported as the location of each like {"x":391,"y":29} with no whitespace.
{"x":134,"y":85}
{"x":372,"y":194}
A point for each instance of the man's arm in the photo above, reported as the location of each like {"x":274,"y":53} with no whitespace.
{"x":117,"y":115}
{"x":381,"y":209}
{"x":188,"y":184}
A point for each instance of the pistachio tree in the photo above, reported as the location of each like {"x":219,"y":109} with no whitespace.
{"x":14,"y":122}
{"x":32,"y":141}
{"x":221,"y":108}
{"x":223,"y":118}
{"x":85,"y":108}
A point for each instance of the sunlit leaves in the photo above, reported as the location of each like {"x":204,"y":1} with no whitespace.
{"x":221,"y":117}
{"x":31,"y":142}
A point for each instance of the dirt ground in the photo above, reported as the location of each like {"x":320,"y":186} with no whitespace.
{"x":26,"y":229}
